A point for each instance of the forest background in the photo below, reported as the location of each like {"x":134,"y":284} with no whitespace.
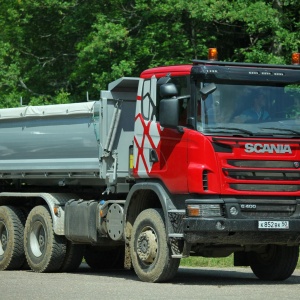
{"x":55,"y":51}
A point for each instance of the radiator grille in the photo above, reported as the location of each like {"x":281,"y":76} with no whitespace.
{"x":205,"y":180}
{"x":264,"y":176}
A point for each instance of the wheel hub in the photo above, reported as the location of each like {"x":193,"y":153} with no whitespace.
{"x":37,"y":239}
{"x":147,"y":246}
{"x":3,"y":238}
{"x":41,"y":241}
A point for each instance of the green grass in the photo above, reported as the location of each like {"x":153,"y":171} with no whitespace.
{"x":222,"y":262}
{"x":198,"y":261}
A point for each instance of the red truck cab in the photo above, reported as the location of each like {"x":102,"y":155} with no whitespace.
{"x":223,"y":139}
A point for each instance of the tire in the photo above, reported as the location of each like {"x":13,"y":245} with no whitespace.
{"x":99,"y":258}
{"x":25,"y":211}
{"x":73,"y":258}
{"x":45,"y":251}
{"x":277,"y":263}
{"x":149,"y":249}
{"x":12,"y":255}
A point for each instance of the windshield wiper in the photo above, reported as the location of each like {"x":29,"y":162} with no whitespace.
{"x":283,"y":129}
{"x":248,"y":132}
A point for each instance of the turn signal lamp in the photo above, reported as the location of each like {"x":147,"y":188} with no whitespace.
{"x":212,"y":54}
{"x":296,"y":58}
{"x":56,"y":210}
{"x":204,"y":210}
{"x":193,"y":210}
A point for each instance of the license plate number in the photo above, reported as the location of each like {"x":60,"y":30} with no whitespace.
{"x":273,"y":224}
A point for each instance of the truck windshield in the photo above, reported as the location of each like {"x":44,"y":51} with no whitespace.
{"x":250,"y":110}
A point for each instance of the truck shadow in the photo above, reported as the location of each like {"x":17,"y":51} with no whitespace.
{"x":199,"y":276}
{"x":226,"y":276}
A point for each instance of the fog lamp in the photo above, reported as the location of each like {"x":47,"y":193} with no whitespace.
{"x":233,"y":211}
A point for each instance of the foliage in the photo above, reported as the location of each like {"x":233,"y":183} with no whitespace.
{"x":54,"y":51}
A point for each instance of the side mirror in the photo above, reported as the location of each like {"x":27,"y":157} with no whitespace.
{"x":164,"y":80}
{"x":169,"y":112}
{"x":168,"y":90}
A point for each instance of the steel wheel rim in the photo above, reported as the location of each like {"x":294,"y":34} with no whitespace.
{"x":267,"y":257}
{"x":147,"y":245}
{"x":37,"y":239}
{"x":3,"y":238}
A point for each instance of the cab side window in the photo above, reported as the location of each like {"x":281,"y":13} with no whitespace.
{"x":149,"y":100}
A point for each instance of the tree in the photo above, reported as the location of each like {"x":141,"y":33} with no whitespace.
{"x":54,"y":51}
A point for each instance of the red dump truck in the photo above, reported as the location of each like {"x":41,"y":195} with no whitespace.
{"x":183,"y":161}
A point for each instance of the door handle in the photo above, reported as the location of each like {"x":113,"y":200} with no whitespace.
{"x":153,"y":157}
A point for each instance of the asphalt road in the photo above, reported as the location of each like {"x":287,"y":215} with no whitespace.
{"x":189,"y":283}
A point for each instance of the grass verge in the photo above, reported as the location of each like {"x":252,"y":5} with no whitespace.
{"x":222,"y":262}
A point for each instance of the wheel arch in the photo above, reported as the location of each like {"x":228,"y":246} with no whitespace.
{"x":141,"y":197}
{"x":55,"y":202}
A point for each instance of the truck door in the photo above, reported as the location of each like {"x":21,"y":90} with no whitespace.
{"x":159,"y":152}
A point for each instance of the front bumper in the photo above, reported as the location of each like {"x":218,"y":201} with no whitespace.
{"x":238,"y":232}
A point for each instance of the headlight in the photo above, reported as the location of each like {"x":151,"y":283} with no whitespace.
{"x":204,"y":210}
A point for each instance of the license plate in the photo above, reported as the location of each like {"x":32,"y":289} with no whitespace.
{"x":273,"y":224}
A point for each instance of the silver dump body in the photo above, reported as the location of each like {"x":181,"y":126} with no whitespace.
{"x":80,"y":143}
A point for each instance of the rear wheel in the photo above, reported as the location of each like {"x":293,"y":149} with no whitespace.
{"x":45,"y":251}
{"x":149,"y":249}
{"x":100,"y":258}
{"x":73,"y":258}
{"x":25,"y":211}
{"x":275,"y":263}
{"x":12,"y":221}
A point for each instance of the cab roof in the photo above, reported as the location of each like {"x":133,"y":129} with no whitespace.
{"x":177,"y":70}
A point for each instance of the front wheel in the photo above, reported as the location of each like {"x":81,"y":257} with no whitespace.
{"x":45,"y":251}
{"x":149,"y":248}
{"x":275,"y":263}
